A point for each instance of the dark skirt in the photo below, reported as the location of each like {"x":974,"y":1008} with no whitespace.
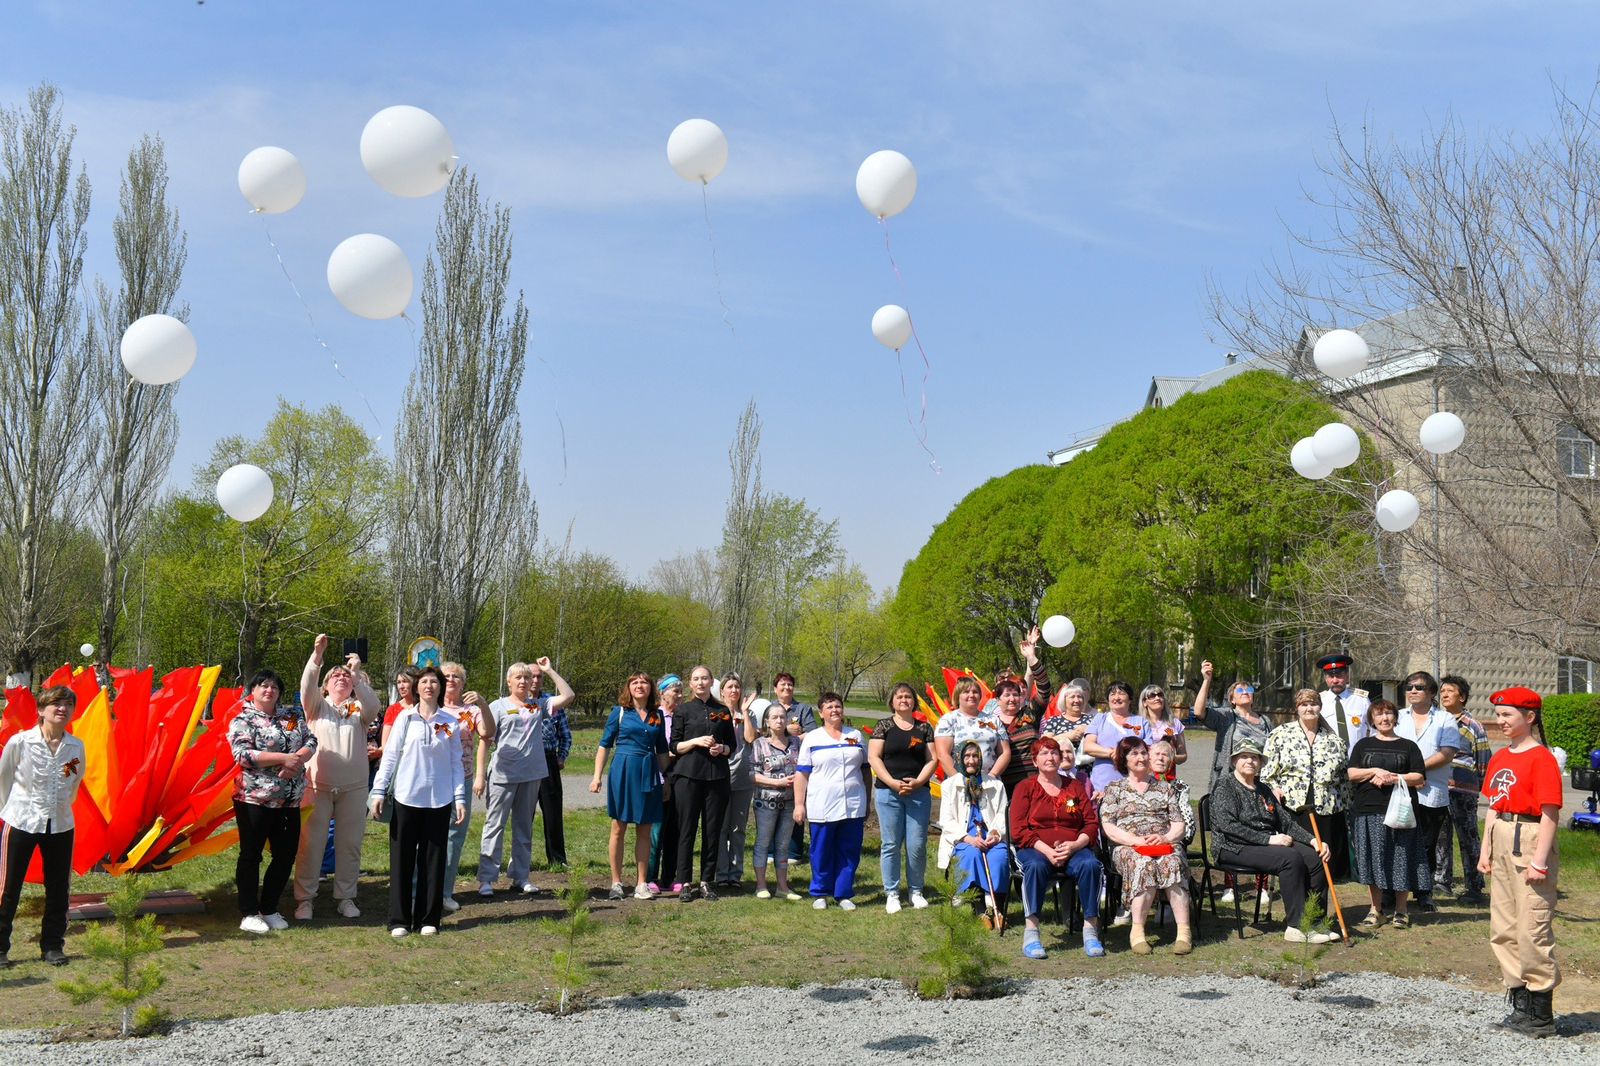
{"x":1393,"y":859}
{"x":1332,"y":828}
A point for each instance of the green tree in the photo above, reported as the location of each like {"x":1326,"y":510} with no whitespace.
{"x":797,"y":548}
{"x":843,"y":631}
{"x":307,"y":565}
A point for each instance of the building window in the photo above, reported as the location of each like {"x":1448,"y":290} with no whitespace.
{"x":1575,"y":452}
{"x":1574,"y":674}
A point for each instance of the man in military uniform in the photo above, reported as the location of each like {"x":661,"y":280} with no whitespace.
{"x":1343,"y":708}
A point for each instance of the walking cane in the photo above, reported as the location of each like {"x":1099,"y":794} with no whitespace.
{"x":1333,"y":893}
{"x":988,"y":885}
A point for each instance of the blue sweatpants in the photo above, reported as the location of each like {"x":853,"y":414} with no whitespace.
{"x":1084,"y":867}
{"x":835,"y":854}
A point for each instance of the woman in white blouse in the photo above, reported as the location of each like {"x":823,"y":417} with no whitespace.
{"x":421,"y":771}
{"x":40,"y":771}
{"x":830,"y":790}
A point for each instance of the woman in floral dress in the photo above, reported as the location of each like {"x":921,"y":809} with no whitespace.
{"x":1141,"y":815}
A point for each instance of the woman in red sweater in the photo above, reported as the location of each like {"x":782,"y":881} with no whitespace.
{"x":1054,"y":828}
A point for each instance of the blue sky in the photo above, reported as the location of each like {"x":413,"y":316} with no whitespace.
{"x":1084,"y":168}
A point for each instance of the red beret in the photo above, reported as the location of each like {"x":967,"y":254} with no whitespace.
{"x":1519,"y":696}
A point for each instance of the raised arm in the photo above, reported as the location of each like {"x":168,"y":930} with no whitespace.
{"x":311,"y":679}
{"x":564,"y":694}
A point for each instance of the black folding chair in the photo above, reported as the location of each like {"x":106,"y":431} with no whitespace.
{"x":1208,"y":864}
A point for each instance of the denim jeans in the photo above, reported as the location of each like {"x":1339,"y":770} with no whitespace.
{"x":903,"y":823}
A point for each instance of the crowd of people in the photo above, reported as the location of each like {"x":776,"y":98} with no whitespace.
{"x":1039,"y":791}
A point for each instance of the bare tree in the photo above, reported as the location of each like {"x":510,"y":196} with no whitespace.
{"x":137,"y":430}
{"x":43,"y":357}
{"x":740,"y":555}
{"x":459,"y":443}
{"x":1470,"y":268}
{"x":692,"y":576}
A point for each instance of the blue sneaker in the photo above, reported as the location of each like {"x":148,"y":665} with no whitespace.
{"x":1034,"y":950}
{"x":1093,"y":948}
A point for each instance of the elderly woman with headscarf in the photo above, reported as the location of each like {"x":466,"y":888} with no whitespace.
{"x":1054,"y":826}
{"x":972,"y":831}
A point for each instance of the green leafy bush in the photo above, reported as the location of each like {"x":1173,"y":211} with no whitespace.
{"x":1573,"y":722}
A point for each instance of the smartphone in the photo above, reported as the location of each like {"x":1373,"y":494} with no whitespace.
{"x":356,"y":646}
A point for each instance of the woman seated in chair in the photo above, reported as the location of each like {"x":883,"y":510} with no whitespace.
{"x":1143,"y":816}
{"x":972,"y":828}
{"x":1055,"y":827}
{"x":1253,"y":830}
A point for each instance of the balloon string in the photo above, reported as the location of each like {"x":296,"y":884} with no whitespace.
{"x":244,"y":602}
{"x":315,"y":333}
{"x":921,"y":428}
{"x":711,"y":238}
{"x":555,"y":408}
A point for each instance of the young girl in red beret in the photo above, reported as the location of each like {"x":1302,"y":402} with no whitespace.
{"x":1523,"y":784}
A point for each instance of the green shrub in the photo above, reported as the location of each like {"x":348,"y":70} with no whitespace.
{"x":1573,"y":722}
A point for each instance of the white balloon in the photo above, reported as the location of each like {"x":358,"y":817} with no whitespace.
{"x":407,"y":151}
{"x":370,"y":276}
{"x":157,"y":350}
{"x":1339,"y":353}
{"x":1058,"y":631}
{"x":1442,"y":432}
{"x":245,"y":492}
{"x":1398,"y":510}
{"x":272,"y":180}
{"x":86,"y":650}
{"x":886,"y":182}
{"x":1303,"y":458}
{"x":1336,"y":445}
{"x":697,"y":150}
{"x":891,"y":325}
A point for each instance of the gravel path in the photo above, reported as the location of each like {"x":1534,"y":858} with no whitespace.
{"x":1210,"y":1019}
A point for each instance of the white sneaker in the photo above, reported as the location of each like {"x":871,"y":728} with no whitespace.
{"x":642,"y":891}
{"x":430,"y":930}
{"x":302,"y":911}
{"x":918,"y":900}
{"x":485,"y":889}
{"x":820,"y":903}
{"x":892,"y":904}
{"x":254,"y":923}
{"x":1122,"y":919}
{"x":529,"y":888}
{"x":1226,"y":897}
{"x":1266,"y":898}
{"x":450,"y":905}
{"x":847,"y":905}
{"x":1294,"y":936}
{"x":348,"y":909}
{"x":275,"y":921}
{"x":399,"y":931}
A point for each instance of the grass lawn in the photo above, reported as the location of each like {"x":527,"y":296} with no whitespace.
{"x":498,"y":950}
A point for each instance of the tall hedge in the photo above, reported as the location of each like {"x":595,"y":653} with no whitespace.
{"x":1573,"y":722}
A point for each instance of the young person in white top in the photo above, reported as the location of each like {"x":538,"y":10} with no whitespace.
{"x":339,"y":709}
{"x":40,"y":772}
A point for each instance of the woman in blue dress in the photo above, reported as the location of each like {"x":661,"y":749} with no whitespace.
{"x":973,"y":828}
{"x":633,"y":790}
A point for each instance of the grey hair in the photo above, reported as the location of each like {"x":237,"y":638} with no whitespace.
{"x":1151,"y":690}
{"x":1081,"y":684}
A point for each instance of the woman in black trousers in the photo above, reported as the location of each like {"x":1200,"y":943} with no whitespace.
{"x":702,"y":738}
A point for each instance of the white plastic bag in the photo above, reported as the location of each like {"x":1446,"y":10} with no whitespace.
{"x":1400,"y":815}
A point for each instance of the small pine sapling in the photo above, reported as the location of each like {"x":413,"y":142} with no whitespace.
{"x":129,"y":938}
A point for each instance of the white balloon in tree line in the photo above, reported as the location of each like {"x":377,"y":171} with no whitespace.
{"x":157,"y":350}
{"x":697,"y":150}
{"x":1336,"y":445}
{"x":891,"y":325}
{"x":1339,"y":353}
{"x":272,"y":180}
{"x":86,"y":650}
{"x":370,"y":275}
{"x":245,"y":492}
{"x":1398,"y":510}
{"x":1303,"y":457}
{"x":886,"y":183}
{"x":1058,"y":631}
{"x":1442,"y":432}
{"x":407,"y":151}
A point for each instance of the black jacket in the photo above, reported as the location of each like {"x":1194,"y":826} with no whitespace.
{"x":1241,"y":818}
{"x":693,"y":719}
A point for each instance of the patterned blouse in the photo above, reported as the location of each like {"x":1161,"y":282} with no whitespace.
{"x":1295,"y":766}
{"x":983,"y":727}
{"x":252,"y":732}
{"x":1151,"y":811}
{"x":769,"y":760}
